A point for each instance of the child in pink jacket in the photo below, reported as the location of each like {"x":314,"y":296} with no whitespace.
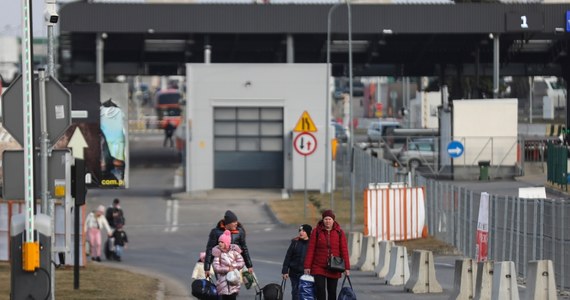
{"x":227,"y":258}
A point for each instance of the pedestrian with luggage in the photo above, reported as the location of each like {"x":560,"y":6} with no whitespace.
{"x":229,"y":222}
{"x":327,"y":247}
{"x":227,"y":265}
{"x":94,"y":222}
{"x":293,"y":264}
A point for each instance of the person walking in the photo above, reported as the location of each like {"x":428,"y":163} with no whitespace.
{"x":94,"y":222}
{"x":227,"y":259}
{"x":121,"y":240}
{"x":229,"y":222}
{"x":293,"y":264}
{"x":168,"y":132}
{"x":327,"y":240}
{"x":115,"y":214}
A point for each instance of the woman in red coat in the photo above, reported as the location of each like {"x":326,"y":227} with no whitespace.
{"x":327,"y":239}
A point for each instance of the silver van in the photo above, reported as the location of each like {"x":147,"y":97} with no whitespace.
{"x":377,"y":130}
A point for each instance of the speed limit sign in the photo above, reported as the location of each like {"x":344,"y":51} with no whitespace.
{"x":305,"y":143}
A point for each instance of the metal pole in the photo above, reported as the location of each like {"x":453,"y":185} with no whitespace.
{"x":28,"y":119}
{"x":44,"y":140}
{"x":76,"y":234}
{"x":352,"y":171}
{"x":530,"y":96}
{"x":100,"y":49}
{"x":496,"y":65}
{"x":290,"y":49}
{"x":51,"y":18}
{"x":305,"y":202}
{"x":328,"y":109}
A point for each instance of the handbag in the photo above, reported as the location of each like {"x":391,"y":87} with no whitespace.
{"x":233,"y":277}
{"x":346,"y":292}
{"x":204,"y":289}
{"x":336,"y":264}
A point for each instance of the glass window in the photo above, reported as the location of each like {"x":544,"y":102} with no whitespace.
{"x":225,"y":144}
{"x":272,"y":129}
{"x":225,"y":113}
{"x":224,"y":128}
{"x":272,"y":144}
{"x":248,"y":113}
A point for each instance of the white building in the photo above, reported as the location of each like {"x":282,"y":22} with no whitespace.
{"x":241,"y":120}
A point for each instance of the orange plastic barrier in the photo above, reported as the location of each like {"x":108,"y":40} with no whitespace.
{"x":394,"y":212}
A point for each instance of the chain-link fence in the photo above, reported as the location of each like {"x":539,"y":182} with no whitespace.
{"x":520,"y":230}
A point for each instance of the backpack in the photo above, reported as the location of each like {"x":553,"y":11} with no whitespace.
{"x":204,"y":289}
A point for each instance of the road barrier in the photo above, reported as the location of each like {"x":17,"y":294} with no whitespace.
{"x":484,"y":282}
{"x":399,"y":272}
{"x":354,"y":247}
{"x":422,"y":279}
{"x":369,"y":254}
{"x":505,"y":281}
{"x":394,"y":212}
{"x":464,"y":279}
{"x":540,"y":281}
{"x":383,"y":266}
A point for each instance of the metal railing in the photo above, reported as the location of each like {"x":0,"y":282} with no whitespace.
{"x":520,"y":230}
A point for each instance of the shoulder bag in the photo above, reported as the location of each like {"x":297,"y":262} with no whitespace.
{"x":334,"y":263}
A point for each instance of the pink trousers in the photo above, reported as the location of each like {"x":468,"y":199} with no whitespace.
{"x":94,"y":235}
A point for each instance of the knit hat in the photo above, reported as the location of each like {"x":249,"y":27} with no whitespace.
{"x":306,"y":228}
{"x":230,"y":217}
{"x":329,"y":213}
{"x":226,"y":238}
{"x":101,"y":209}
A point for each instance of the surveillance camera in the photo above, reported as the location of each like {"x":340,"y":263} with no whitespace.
{"x":51,"y":15}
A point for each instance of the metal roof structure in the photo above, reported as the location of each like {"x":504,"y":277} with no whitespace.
{"x":388,"y":40}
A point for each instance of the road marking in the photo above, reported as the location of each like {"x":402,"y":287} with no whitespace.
{"x":171,"y":215}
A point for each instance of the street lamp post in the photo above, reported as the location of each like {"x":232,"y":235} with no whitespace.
{"x":328,"y":109}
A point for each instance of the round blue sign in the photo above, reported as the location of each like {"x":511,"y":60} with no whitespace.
{"x":455,"y":149}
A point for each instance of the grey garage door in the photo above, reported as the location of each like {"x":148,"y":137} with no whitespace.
{"x":248,"y":147}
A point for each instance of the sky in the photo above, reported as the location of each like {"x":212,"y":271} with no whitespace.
{"x":11,"y":17}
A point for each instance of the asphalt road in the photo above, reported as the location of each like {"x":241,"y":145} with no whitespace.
{"x":167,"y":234}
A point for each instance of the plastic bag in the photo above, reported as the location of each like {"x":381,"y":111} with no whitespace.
{"x":307,"y":287}
{"x":233,"y":277}
{"x":248,"y":279}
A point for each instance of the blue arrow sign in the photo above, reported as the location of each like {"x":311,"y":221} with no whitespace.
{"x":455,"y":149}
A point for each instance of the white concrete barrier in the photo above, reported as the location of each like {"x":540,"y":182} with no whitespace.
{"x":354,"y":245}
{"x":399,"y":271}
{"x":464,"y":282}
{"x":422,"y":279}
{"x":368,"y":254}
{"x":484,"y":282}
{"x":505,"y":281}
{"x":383,"y":266}
{"x":540,"y":283}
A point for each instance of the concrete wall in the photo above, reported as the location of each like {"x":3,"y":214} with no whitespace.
{"x":488,"y":130}
{"x":294,"y":87}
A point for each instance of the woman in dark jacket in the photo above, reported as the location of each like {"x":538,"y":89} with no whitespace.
{"x":327,"y":239}
{"x":229,"y":222}
{"x":294,"y":259}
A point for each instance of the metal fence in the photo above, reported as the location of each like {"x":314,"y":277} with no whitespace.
{"x":520,"y":230}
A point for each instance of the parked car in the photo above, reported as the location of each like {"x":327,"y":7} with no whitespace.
{"x":377,"y":130}
{"x":419,"y":152}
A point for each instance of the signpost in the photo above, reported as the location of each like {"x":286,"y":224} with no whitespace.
{"x":306,"y":144}
{"x":455,"y":149}
{"x":58,"y":103}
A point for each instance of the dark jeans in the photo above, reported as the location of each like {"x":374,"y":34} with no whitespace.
{"x":324,"y":286}
{"x":295,"y":277}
